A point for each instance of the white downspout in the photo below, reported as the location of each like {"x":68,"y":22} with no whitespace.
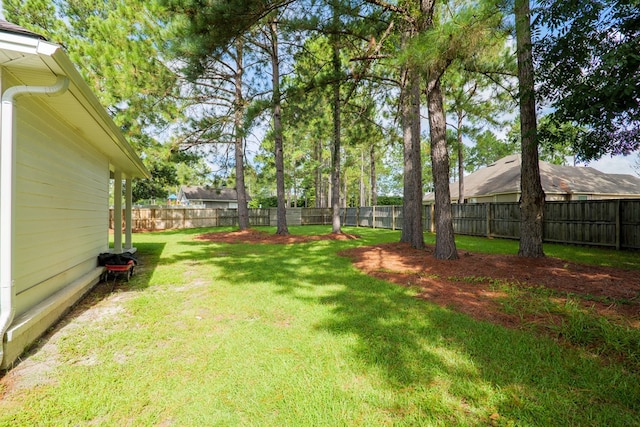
{"x":128,"y":244}
{"x":7,"y":194}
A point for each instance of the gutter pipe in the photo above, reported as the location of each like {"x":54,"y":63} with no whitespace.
{"x":7,"y":194}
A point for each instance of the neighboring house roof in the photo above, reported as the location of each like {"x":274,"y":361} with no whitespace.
{"x":9,"y":27}
{"x":33,"y":61}
{"x":209,"y":194}
{"x":503,"y":177}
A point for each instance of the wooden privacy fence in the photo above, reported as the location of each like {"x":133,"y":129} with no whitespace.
{"x":610,"y":223}
{"x":168,"y":218}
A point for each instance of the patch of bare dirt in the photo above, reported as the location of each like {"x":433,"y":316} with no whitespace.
{"x":36,"y":367}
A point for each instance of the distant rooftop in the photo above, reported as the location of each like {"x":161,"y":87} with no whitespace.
{"x":8,"y":27}
{"x":208,"y":193}
{"x":503,"y":177}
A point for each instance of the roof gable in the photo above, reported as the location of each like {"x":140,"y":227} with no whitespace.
{"x":208,"y":193}
{"x":502,"y":176}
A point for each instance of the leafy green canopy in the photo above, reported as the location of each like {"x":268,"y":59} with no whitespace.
{"x":163,"y":177}
{"x":208,"y":26}
{"x":120,"y":49}
{"x":589,"y":68}
{"x":117,"y":45}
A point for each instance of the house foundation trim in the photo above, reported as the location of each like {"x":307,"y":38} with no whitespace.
{"x":26,"y":328}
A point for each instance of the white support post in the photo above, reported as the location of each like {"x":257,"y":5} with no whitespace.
{"x":117,"y":212}
{"x":127,"y":215}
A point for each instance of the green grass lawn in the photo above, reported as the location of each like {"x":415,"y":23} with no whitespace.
{"x":211,"y":334}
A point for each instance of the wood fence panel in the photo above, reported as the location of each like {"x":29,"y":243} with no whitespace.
{"x":349,"y":216}
{"x":316,"y":216}
{"x":228,"y":217}
{"x":470,"y":219}
{"x":590,"y":222}
{"x":398,"y":217}
{"x":630,"y":224}
{"x":294,"y":216}
{"x":428,"y":222}
{"x":366,"y":217}
{"x":170,"y":219}
{"x":158,"y":219}
{"x":504,"y":220}
{"x":140,"y":219}
{"x":259,"y":216}
{"x":197,"y":218}
{"x":384,"y":217}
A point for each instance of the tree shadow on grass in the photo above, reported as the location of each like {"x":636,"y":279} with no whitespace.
{"x":437,"y":360}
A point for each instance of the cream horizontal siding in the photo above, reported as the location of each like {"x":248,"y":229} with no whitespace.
{"x":61,"y":208}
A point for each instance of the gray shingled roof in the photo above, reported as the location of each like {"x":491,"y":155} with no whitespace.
{"x":209,"y":194}
{"x":503,"y":177}
{"x":8,"y":27}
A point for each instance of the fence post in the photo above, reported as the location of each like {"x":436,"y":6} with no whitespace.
{"x":373,"y":218}
{"x":618,"y":224}
{"x":432,"y":226}
{"x":423,"y":217}
{"x":488,"y":216}
{"x":393,"y":217}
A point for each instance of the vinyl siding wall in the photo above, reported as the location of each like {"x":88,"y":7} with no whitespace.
{"x":62,"y":196}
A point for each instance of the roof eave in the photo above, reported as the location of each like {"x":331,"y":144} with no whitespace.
{"x":55,"y":61}
{"x":137,"y":169}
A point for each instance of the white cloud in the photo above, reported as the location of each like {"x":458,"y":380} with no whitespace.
{"x":617,"y":164}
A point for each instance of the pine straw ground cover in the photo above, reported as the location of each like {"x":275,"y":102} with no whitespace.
{"x":282,"y":330}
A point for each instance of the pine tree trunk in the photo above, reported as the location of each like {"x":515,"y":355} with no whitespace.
{"x":335,"y":149}
{"x":412,"y":195}
{"x":281,"y":213}
{"x":532,"y":195}
{"x":460,"y":161}
{"x":374,"y":183}
{"x":295,"y":187}
{"x":243,"y":209}
{"x":363,"y":196}
{"x":319,"y":193}
{"x":445,"y":239}
{"x":336,"y":111}
{"x":345,"y":189}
